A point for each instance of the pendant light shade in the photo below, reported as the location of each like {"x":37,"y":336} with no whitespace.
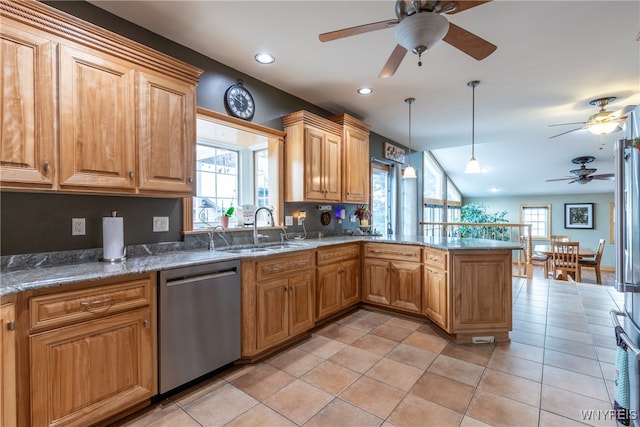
{"x":473,"y":166}
{"x":410,"y":171}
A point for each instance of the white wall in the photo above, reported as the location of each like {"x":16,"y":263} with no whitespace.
{"x":588,"y":238}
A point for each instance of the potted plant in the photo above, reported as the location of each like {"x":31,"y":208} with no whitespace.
{"x":224,"y":219}
{"x":363,"y":213}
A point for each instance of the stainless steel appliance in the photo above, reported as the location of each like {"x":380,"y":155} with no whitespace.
{"x":627,"y":234}
{"x":198,"y":321}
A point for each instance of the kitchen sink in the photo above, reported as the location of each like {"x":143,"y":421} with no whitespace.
{"x":247,"y":250}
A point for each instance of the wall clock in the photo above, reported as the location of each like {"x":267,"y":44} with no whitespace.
{"x":239,"y":102}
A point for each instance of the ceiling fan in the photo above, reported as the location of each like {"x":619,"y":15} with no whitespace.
{"x":584,"y":174}
{"x":601,"y":123}
{"x":420,"y":24}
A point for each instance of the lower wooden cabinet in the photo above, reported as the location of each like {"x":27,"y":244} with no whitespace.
{"x":435,"y":296}
{"x":85,"y":371}
{"x":8,"y":396}
{"x":338,"y":279}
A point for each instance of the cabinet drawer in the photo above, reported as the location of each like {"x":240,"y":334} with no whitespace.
{"x":278,"y":266}
{"x":399,"y":252}
{"x":435,"y":258}
{"x":338,"y":253}
{"x":69,"y":307}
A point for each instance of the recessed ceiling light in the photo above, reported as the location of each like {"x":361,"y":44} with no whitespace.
{"x":365,"y":91}
{"x":265,"y":58}
{"x":494,"y":190}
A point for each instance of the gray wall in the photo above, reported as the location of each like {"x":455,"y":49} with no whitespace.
{"x":586,"y":237}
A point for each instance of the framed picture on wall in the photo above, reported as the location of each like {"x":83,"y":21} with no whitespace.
{"x":578,"y":215}
{"x":394,"y":153}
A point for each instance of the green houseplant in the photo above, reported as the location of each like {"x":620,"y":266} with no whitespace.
{"x":477,"y":213}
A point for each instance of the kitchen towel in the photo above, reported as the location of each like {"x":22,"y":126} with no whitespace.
{"x":113,"y":238}
{"x":621,"y":387}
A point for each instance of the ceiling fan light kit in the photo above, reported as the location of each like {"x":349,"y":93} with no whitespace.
{"x":584,"y":174}
{"x":410,"y":171}
{"x":603,"y":122}
{"x":473,"y":166}
{"x":420,"y":32}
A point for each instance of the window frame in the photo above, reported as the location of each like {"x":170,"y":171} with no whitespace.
{"x":544,"y":206}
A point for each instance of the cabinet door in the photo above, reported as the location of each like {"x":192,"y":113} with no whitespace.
{"x":376,"y":281}
{"x":356,"y":168}
{"x":406,"y":285}
{"x":166,"y":135}
{"x":84,"y":373}
{"x":97,"y":121}
{"x":27,"y":132}
{"x":332,"y":167}
{"x":350,"y":274}
{"x":300,"y":303}
{"x":272,"y":313}
{"x":434,"y":300}
{"x":314,"y":188}
{"x":8,"y":366}
{"x":328,"y":290}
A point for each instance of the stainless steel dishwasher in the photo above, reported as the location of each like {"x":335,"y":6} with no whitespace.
{"x":198,"y":321}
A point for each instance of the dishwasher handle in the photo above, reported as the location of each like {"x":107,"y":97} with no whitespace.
{"x":199,"y":278}
{"x":623,"y":335}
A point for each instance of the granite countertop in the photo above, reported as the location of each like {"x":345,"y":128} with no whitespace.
{"x":44,"y":277}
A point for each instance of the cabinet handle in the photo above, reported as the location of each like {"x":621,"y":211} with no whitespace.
{"x":286,"y":288}
{"x":130,"y":174}
{"x":45,"y":167}
{"x":190,"y":179}
{"x":11,"y":325}
{"x":146,"y":324}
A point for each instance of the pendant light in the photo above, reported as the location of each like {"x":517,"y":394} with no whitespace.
{"x":409,"y":172}
{"x":473,"y":166}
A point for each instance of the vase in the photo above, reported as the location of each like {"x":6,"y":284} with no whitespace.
{"x":224,"y":221}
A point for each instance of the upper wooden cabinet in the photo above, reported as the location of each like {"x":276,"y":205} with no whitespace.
{"x":313,"y":158}
{"x":355,"y":164}
{"x":125,"y":113}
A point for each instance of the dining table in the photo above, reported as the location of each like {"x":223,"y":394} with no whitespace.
{"x":583,"y":251}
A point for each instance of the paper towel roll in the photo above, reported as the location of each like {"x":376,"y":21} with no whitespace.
{"x":113,"y":238}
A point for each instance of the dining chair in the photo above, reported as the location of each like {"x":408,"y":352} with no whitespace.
{"x":556,"y":238}
{"x":594,"y":262}
{"x":565,"y":260}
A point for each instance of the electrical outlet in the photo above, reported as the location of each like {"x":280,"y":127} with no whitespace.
{"x":78,"y":227}
{"x":160,"y":224}
{"x":288,"y":220}
{"x":302,"y":215}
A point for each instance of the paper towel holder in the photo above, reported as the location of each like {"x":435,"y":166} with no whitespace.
{"x":121,"y":258}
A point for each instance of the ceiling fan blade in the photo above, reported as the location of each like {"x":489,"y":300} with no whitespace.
{"x":393,"y":62}
{"x":464,"y":5}
{"x":564,"y":133}
{"x":561,"y":179}
{"x":474,"y":46}
{"x":603,"y":176}
{"x":565,"y":124}
{"x":360,"y":29}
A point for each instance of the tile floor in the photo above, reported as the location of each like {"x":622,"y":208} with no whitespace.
{"x":375,"y":369}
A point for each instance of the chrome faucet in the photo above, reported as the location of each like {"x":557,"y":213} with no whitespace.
{"x":212,"y":246}
{"x":256,"y":236}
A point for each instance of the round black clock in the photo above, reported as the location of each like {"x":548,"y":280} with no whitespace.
{"x":239,"y":101}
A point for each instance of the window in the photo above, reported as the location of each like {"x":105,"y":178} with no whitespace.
{"x":539,"y":216}
{"x":454,"y":202}
{"x":380,"y":196}
{"x":433,"y":199}
{"x":261,"y":174}
{"x":217,"y":171}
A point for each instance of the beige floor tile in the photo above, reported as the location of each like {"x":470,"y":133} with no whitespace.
{"x":569,"y":334}
{"x":456,"y":369}
{"x":341,"y":413}
{"x":571,"y":347}
{"x":572,"y":362}
{"x":377,"y":316}
{"x":467,"y":421}
{"x":399,"y":322}
{"x":341,"y":333}
{"x":395,"y":374}
{"x":259,"y":416}
{"x":523,"y":351}
{"x":428,"y":329}
{"x":575,"y":382}
{"x":331,"y":377}
{"x":298,"y":401}
{"x":606,"y":341}
{"x":547,"y":419}
{"x":473,"y":353}
{"x":499,"y":411}
{"x":523,"y":325}
{"x":516,"y":366}
{"x":263,"y":381}
{"x":356,"y":359}
{"x":220,"y":406}
{"x":412,"y":356}
{"x":365,"y":324}
{"x":375,"y":344}
{"x":373,"y":396}
{"x":446,"y":392}
{"x":527,"y":338}
{"x":581,"y":325}
{"x":197,"y":391}
{"x":424,"y":341}
{"x":167,"y":416}
{"x":606,"y":354}
{"x":295,"y":362}
{"x":573,"y":406}
{"x":413,"y":411}
{"x":322,"y":346}
{"x":391,"y":332}
{"x":608,"y":371}
{"x":511,"y":386}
